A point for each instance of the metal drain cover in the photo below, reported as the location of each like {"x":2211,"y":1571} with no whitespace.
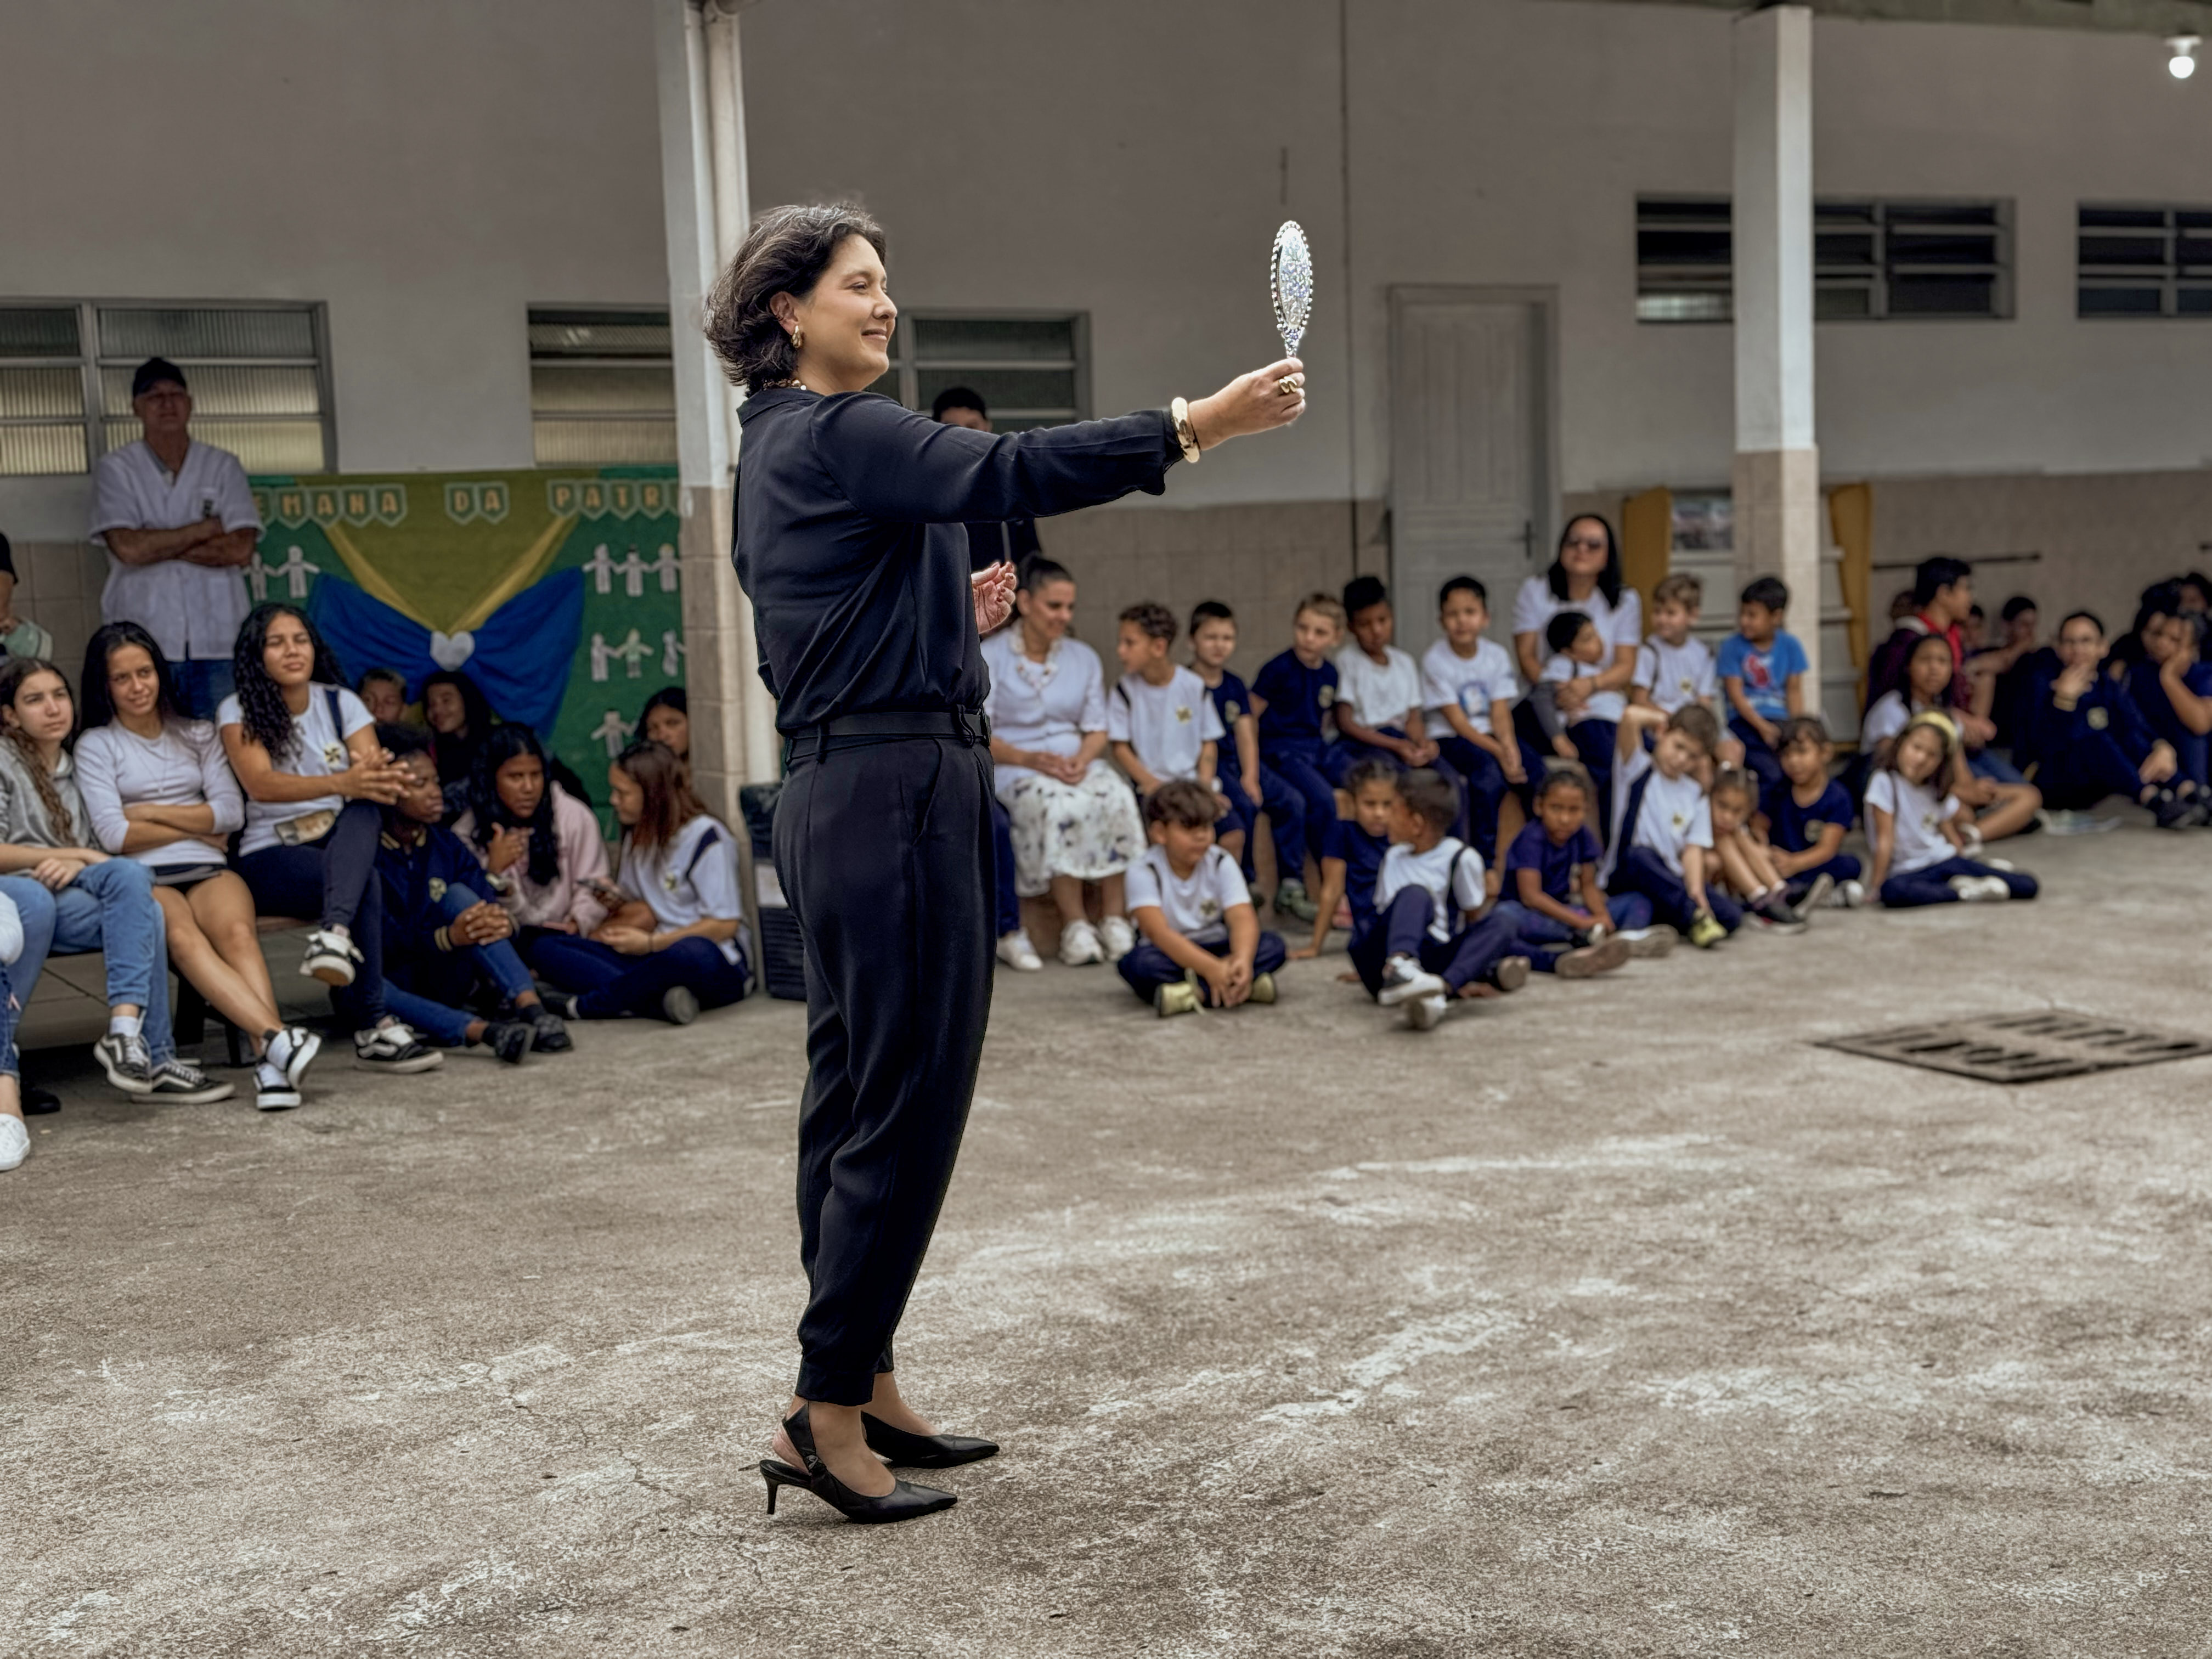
{"x":2023,"y":1047}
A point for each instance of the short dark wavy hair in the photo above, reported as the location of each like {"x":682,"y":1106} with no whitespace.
{"x":786,"y":252}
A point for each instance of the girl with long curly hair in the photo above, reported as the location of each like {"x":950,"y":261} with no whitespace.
{"x":158,"y":791}
{"x":539,"y":843}
{"x":305,"y":753}
{"x":97,"y":904}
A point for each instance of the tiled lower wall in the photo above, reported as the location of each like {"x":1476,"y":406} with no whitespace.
{"x":1258,"y":560}
{"x":58,"y":587}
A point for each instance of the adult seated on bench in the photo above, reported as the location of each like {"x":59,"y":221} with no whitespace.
{"x":72,"y":897}
{"x":158,"y":791}
{"x":305,"y":753}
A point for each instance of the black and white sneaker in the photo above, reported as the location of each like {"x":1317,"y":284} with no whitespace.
{"x":180,"y":1083}
{"x":561,"y":1005}
{"x":272,"y":1089}
{"x":1404,"y":981}
{"x":329,"y":958}
{"x":393,"y":1048}
{"x":678,"y":1006}
{"x":292,"y":1050}
{"x":129,"y":1067}
{"x":509,"y":1039}
{"x":548,"y":1032}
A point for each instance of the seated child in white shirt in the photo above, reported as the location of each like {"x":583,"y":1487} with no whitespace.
{"x":1912,"y":824}
{"x":1661,"y":840}
{"x":1578,"y":653}
{"x":1425,"y":946}
{"x":1673,"y":668}
{"x":1201,"y":944}
{"x":1160,"y":718}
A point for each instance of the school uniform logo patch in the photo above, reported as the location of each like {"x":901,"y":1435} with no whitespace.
{"x":1328,"y":695}
{"x":2100,"y":719}
{"x":668,"y":881}
{"x":1688,"y":684}
{"x":1231,"y":712}
{"x":334,"y":754}
{"x":437,"y":888}
{"x":1210,"y":909}
{"x":1813,"y":827}
{"x":1182,"y":717}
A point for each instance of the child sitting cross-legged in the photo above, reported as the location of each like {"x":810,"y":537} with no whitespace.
{"x":1425,"y":947}
{"x":1662,"y":828}
{"x":1562,"y":921}
{"x":441,"y":934}
{"x":1352,"y":853}
{"x":1201,"y":944}
{"x":1746,"y":866}
{"x":1807,"y":817}
{"x":1911,"y":825}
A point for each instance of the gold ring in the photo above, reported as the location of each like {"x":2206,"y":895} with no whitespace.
{"x":1289,"y":384}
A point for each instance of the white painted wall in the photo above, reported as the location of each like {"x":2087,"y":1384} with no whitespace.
{"x":427,"y":167}
{"x":430,"y":169}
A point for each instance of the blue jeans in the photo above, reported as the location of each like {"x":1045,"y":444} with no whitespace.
{"x":1146,"y":968}
{"x":11,"y":1015}
{"x":202,"y":684}
{"x":1543,"y":939}
{"x":613,"y":984}
{"x":1988,"y":763}
{"x":422,"y":985}
{"x":1932,"y":884}
{"x":109,"y":908}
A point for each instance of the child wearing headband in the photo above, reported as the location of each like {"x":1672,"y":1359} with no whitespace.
{"x":1912,"y":824}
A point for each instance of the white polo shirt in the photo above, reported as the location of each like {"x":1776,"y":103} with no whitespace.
{"x":1166,"y":725}
{"x":1674,"y":813}
{"x":1382,"y":693}
{"x":1450,"y":873}
{"x":192,"y":610}
{"x":1676,"y":675}
{"x":1917,"y":820}
{"x":1599,"y":705}
{"x":1471,"y":684}
{"x":1198,"y":906}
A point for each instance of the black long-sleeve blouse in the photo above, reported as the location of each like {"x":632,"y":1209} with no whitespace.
{"x":851,"y":539}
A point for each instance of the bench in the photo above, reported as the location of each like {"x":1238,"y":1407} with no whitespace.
{"x":70,"y":1006}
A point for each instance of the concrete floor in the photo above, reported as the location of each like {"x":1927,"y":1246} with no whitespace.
{"x":1611,"y":1319}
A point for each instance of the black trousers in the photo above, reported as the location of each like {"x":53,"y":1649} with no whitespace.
{"x":886,"y":853}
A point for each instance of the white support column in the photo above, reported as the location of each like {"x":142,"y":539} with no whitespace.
{"x":1777,"y":465}
{"x":733,"y":719}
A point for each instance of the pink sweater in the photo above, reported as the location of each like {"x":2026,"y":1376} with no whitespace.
{"x":565,"y":898}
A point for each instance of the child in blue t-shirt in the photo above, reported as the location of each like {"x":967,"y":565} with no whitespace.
{"x":1352,"y":852}
{"x":1248,"y":786}
{"x":1294,"y":696}
{"x":1807,"y":815}
{"x":1762,"y":672}
{"x":1562,"y":921}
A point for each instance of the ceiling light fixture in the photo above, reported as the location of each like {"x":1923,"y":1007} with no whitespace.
{"x":2183,"y":64}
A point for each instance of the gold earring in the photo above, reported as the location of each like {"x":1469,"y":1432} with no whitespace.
{"x":797,"y":338}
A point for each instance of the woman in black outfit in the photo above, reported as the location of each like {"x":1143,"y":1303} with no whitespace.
{"x":850,"y":541}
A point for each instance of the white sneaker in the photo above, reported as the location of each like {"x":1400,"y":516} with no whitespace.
{"x":393,"y":1048}
{"x":1426,"y":1013}
{"x":1118,"y":937}
{"x":1403,"y":981}
{"x":1977,"y":890}
{"x":272,"y":1090}
{"x":1849,"y":894}
{"x":1644,"y":942}
{"x":1018,"y":954}
{"x":1078,"y":945}
{"x":15,"y":1142}
{"x":1816,"y":897}
{"x":329,"y":958}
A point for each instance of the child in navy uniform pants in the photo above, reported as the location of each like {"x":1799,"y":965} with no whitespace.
{"x":441,"y":937}
{"x":2089,"y":740}
{"x":1352,"y":853}
{"x":1248,"y":786}
{"x":1468,"y":684}
{"x":1562,"y":921}
{"x":1379,"y":689}
{"x":1807,"y":815}
{"x":1422,"y":950}
{"x":1762,"y":672}
{"x":1294,"y":696}
{"x":1202,"y":944}
{"x":1911,"y":825}
{"x":1663,"y":826}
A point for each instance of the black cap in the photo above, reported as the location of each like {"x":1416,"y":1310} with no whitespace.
{"x":953,"y":396}
{"x":150,"y":372}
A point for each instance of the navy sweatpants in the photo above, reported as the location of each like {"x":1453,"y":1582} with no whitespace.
{"x":1543,"y":939}
{"x":2084,"y":773}
{"x":1761,"y":762}
{"x":1147,"y":967}
{"x":1298,"y":765}
{"x":1839,"y":869}
{"x":1287,"y":817}
{"x":1641,"y":871}
{"x":1402,"y":930}
{"x":1931,"y":884}
{"x":1482,"y":791}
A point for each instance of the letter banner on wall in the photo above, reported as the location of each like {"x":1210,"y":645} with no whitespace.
{"x":555,"y":591}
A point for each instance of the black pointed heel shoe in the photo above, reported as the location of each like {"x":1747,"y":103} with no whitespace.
{"x":924,"y":1451}
{"x":903,"y":1502}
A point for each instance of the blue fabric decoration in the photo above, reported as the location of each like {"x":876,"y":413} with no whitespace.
{"x":522,"y":656}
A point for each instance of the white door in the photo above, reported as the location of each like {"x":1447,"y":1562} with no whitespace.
{"x":1471,"y":487}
